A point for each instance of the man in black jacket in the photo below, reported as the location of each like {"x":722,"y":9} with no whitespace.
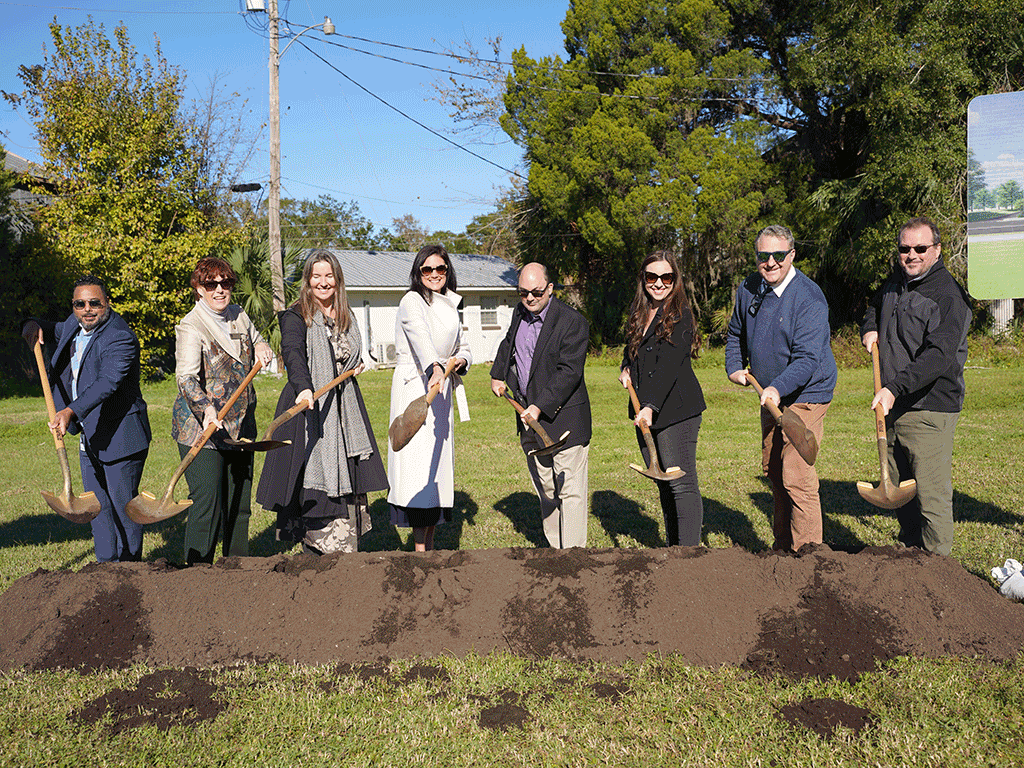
{"x":542,"y":358}
{"x":919,"y":319}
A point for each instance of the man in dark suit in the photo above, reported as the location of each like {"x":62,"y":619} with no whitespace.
{"x":541,"y":358}
{"x":95,"y":376}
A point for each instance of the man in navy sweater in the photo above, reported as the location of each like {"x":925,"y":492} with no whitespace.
{"x":779,"y":328}
{"x":919,"y":319}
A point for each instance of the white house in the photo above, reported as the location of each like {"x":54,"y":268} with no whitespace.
{"x":376,"y":281}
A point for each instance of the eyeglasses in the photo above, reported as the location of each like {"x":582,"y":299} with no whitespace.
{"x":212,"y":285}
{"x":80,"y":303}
{"x":536,"y":292}
{"x":441,"y":269}
{"x":779,"y":256}
{"x":666,"y":279}
{"x":915,"y":248}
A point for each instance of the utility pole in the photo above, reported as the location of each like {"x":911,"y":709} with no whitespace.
{"x":274,"y":200}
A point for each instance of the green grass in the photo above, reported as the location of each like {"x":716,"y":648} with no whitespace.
{"x":950,"y":712}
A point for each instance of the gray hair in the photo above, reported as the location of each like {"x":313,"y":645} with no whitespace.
{"x":776,"y":230}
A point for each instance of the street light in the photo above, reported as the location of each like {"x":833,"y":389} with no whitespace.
{"x":274,"y":195}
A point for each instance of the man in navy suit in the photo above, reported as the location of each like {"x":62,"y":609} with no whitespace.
{"x":542,"y":358}
{"x":95,"y":376}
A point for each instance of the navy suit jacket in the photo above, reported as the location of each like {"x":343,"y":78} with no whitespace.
{"x":109,"y":409}
{"x":556,"y":384}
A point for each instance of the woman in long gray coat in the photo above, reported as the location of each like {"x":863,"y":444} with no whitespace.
{"x":318,"y":484}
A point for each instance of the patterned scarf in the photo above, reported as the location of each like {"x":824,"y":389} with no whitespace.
{"x":335,"y":429}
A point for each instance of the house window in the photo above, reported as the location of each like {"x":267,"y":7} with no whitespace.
{"x":488,"y":311}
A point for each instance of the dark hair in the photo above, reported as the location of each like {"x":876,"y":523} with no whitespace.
{"x":416,"y":279}
{"x":93,"y":280}
{"x":672,"y":309}
{"x":210,"y":268}
{"x":307,"y":304}
{"x":920,"y":221}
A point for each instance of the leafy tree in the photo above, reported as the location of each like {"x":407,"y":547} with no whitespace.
{"x":254,"y":291}
{"x":975,"y":182}
{"x":129,"y":204}
{"x":329,"y":223}
{"x":1009,"y":194}
{"x":410,"y":234}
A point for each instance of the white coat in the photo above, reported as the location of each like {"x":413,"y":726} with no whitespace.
{"x":422,"y":474}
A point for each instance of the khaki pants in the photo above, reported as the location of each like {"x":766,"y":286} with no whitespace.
{"x":794,"y":481}
{"x":561,"y":484}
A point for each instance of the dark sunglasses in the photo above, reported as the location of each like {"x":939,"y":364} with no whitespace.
{"x":779,"y":256}
{"x":914,"y":248}
{"x":80,"y":303}
{"x":441,"y":269}
{"x":666,"y":279}
{"x":211,"y":285}
{"x":536,"y":293}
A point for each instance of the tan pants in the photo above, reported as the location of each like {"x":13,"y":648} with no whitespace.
{"x":794,"y":481}
{"x":561,"y":484}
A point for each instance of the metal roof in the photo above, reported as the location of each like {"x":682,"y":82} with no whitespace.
{"x":390,"y":269}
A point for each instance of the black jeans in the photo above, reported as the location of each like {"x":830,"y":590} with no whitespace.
{"x":681,"y":503}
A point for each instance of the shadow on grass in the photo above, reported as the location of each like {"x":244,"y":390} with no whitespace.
{"x":44,"y":528}
{"x":620,"y":516}
{"x":523,"y":511}
{"x":733,"y":524}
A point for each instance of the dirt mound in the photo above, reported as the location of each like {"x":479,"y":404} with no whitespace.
{"x":821,"y":614}
{"x":824,"y":613}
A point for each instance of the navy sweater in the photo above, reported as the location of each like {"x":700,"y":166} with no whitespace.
{"x":786,"y":344}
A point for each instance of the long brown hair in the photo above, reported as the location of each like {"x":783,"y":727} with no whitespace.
{"x":671,"y":310}
{"x":306,"y":302}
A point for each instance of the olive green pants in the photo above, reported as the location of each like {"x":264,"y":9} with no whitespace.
{"x":220,"y":487}
{"x":921,"y":447}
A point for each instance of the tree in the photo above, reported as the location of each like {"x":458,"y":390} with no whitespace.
{"x":329,"y":223}
{"x":410,"y":234}
{"x":1009,"y":194}
{"x":130,"y":202}
{"x":254,"y":291}
{"x":975,"y":182}
{"x":838,"y":118}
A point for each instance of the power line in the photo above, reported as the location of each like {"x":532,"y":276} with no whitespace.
{"x":110,"y":10}
{"x":409,"y":117}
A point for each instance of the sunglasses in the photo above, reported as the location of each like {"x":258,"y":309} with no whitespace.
{"x":441,"y":269}
{"x":212,"y":285}
{"x":80,"y":303}
{"x":536,"y":293}
{"x":666,"y":279}
{"x":779,"y":256}
{"x":914,"y":248}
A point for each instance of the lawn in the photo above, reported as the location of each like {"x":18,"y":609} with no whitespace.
{"x":947,"y":712}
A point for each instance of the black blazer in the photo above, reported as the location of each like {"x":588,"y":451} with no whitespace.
{"x":556,"y":385}
{"x":662,"y":375}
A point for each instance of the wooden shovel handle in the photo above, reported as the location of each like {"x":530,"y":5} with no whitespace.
{"x":211,"y":428}
{"x":51,"y":409}
{"x":432,"y":392}
{"x":773,"y":409}
{"x":877,"y":373}
{"x":298,"y":408}
{"x":531,"y":422}
{"x":645,"y":428}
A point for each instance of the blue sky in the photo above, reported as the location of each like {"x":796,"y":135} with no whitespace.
{"x":995,"y":135}
{"x":335,"y":138}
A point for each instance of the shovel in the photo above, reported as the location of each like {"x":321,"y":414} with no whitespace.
{"x":408,"y":423}
{"x":654,"y":470}
{"x":886,"y":495}
{"x":799,"y":435}
{"x":77,"y":509}
{"x":550,"y":446}
{"x":147,"y":508}
{"x":298,"y":408}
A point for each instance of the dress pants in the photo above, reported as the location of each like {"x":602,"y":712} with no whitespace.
{"x":921,"y":447}
{"x":116,"y":538}
{"x":220,"y":487}
{"x":797,"y":519}
{"x":681,"y":502}
{"x":561,"y":484}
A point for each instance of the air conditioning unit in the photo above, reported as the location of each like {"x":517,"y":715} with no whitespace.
{"x":387,"y":354}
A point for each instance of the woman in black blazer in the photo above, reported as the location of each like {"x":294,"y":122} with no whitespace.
{"x":661,"y":339}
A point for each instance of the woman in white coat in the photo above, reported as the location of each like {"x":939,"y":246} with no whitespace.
{"x":428,"y":334}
